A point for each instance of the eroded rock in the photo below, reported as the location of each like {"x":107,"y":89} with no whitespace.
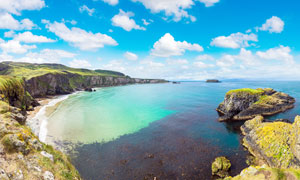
{"x":245,"y":104}
{"x":220,"y":167}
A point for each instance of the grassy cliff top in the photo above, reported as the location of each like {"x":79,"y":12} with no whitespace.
{"x":28,"y":70}
{"x":246,"y":90}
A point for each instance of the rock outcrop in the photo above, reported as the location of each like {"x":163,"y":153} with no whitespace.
{"x":220,"y":167}
{"x":276,"y":144}
{"x":245,"y":104}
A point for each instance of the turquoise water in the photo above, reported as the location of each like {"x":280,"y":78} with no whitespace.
{"x":157,"y":130}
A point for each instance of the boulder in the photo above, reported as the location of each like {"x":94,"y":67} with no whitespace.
{"x":245,"y":104}
{"x":220,"y":167}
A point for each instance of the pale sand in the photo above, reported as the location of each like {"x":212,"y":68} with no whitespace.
{"x":37,"y":119}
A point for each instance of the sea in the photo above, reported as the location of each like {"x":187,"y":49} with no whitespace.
{"x":154,"y":131}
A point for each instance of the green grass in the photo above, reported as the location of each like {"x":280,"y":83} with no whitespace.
{"x":28,"y":70}
{"x":246,"y":90}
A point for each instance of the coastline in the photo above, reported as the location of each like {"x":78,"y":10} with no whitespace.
{"x":37,"y":119}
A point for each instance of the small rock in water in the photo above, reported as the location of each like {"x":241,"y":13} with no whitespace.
{"x":220,"y":167}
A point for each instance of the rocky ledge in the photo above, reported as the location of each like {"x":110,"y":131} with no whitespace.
{"x":245,"y":104}
{"x":275,"y":147}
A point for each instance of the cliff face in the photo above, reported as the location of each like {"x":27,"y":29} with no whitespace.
{"x":245,"y":104}
{"x":51,"y":84}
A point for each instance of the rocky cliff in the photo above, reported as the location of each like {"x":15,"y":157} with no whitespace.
{"x":64,"y":83}
{"x":245,"y":104}
{"x":22,"y":155}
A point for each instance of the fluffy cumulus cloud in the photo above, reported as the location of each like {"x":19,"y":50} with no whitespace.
{"x":15,"y":47}
{"x":177,"y":9}
{"x":235,"y":40}
{"x":80,"y":63}
{"x":281,"y":53}
{"x":28,"y":37}
{"x":209,"y":3}
{"x":80,"y":38}
{"x":45,"y":56}
{"x":202,"y":65}
{"x":7,"y":21}
{"x":166,"y":46}
{"x":111,"y":2}
{"x":84,"y":8}
{"x":131,"y":56}
{"x":124,"y":21}
{"x":16,"y":6}
{"x":205,"y":57}
{"x":273,"y":25}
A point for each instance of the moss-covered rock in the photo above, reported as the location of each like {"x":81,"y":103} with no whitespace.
{"x":266,"y":173}
{"x":275,"y":143}
{"x":245,"y":104}
{"x":220,"y":167}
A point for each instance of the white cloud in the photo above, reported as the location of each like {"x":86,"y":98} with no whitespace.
{"x":46,"y":56}
{"x":111,"y":2}
{"x":177,"y":9}
{"x":273,"y":25}
{"x":131,"y":56}
{"x":145,"y":22}
{"x":7,"y":21}
{"x":203,"y":65}
{"x":205,"y":57}
{"x":114,"y":65}
{"x":80,"y":63}
{"x":16,"y":6}
{"x":281,"y":53}
{"x":80,"y":38}
{"x":84,"y":8}
{"x":123,"y":20}
{"x":235,"y":40}
{"x":174,"y":8}
{"x":14,"y":46}
{"x":177,"y":61}
{"x":166,"y":46}
{"x":152,"y":64}
{"x":226,"y":61}
{"x":209,"y":3}
{"x":28,"y":37}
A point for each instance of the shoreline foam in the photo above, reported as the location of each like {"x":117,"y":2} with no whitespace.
{"x":38,"y":120}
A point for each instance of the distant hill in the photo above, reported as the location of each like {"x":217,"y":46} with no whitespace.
{"x":29,"y":70}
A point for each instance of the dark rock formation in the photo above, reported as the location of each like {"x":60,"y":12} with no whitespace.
{"x":245,"y":104}
{"x":52,"y":84}
{"x":220,"y":167}
{"x":213,"y":81}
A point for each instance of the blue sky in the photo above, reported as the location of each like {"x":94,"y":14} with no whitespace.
{"x":172,"y":39}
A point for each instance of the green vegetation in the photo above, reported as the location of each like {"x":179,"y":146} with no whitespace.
{"x":246,"y":90}
{"x":28,"y":70}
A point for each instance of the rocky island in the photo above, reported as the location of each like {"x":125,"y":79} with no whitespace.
{"x":22,"y":154}
{"x":213,"y":81}
{"x":245,"y":104}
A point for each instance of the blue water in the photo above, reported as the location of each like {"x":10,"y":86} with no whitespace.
{"x":166,"y":131}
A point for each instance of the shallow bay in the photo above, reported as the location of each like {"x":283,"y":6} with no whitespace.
{"x":167,"y":131}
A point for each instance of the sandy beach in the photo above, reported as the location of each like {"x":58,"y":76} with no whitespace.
{"x":37,"y":119}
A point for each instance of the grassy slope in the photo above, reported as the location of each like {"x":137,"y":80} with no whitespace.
{"x":28,"y":70}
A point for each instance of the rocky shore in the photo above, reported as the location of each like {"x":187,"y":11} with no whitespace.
{"x":275,"y":145}
{"x":22,"y":154}
{"x":245,"y":104}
